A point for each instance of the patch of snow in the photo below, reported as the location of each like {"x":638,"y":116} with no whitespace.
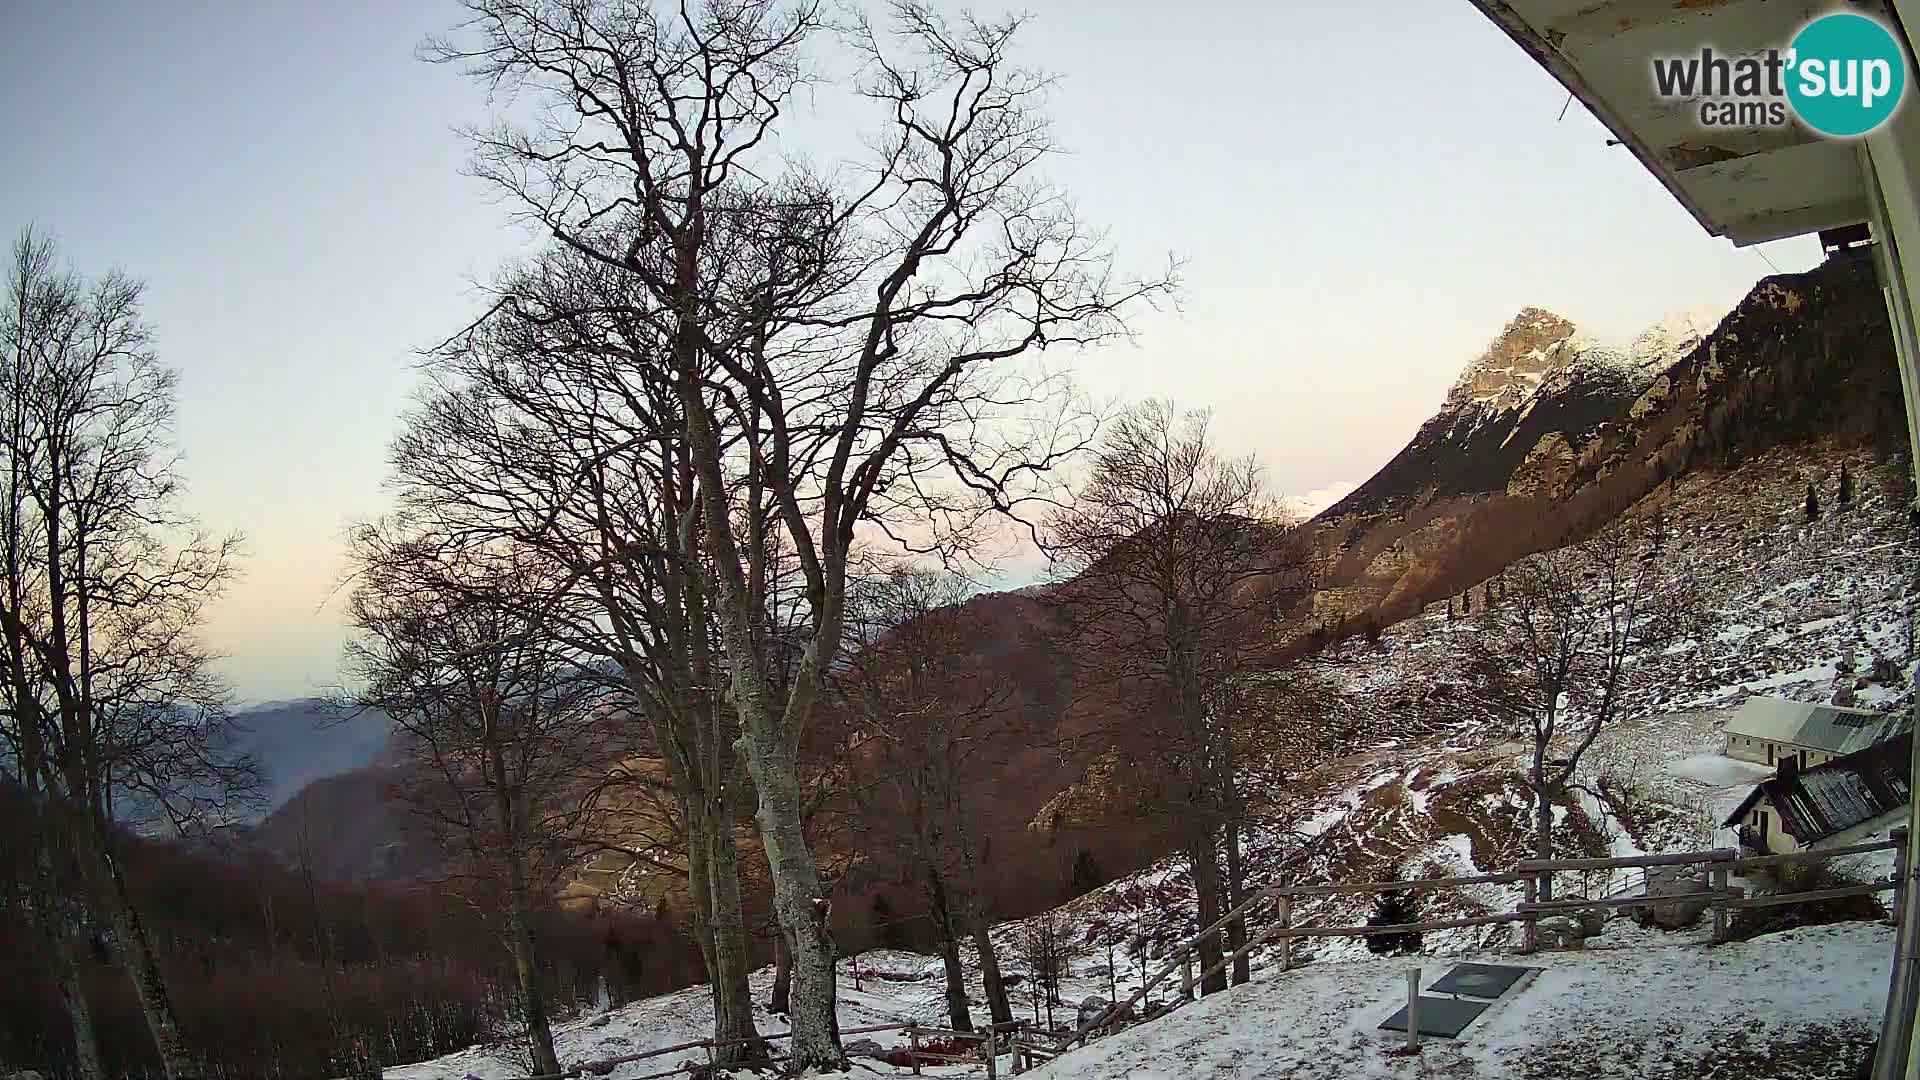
{"x":1718,"y":770}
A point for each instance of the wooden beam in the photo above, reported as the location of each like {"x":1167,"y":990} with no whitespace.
{"x":1551,"y":906}
{"x":1681,"y":858}
{"x":1808,"y":897}
{"x":1399,"y":928}
{"x":1420,"y":885}
{"x":1810,"y":855}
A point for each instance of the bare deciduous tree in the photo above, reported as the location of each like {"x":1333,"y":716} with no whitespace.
{"x":550,"y":425}
{"x":506,"y":735}
{"x":929,"y":735}
{"x":839,"y":347}
{"x":1178,"y":570}
{"x":112,"y":707}
{"x":1566,"y":644}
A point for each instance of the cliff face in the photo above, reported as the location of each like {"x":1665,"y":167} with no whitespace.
{"x":1547,"y":435}
{"x":1529,"y":401}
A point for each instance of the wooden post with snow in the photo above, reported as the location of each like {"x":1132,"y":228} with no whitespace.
{"x":1186,"y":976}
{"x":1900,"y":871}
{"x":1413,"y":1009}
{"x":1286,"y":939}
{"x":913,"y":1051}
{"x":992,"y":1052}
{"x":1721,"y":884}
{"x":1530,"y":930}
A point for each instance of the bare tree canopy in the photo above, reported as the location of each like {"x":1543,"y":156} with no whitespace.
{"x":844,"y":347}
{"x":1178,"y":573}
{"x":929,"y":734}
{"x":111,"y":702}
{"x":508,"y":735}
{"x":1566,"y":642}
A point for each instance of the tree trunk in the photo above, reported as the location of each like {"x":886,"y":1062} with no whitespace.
{"x":532,"y":997}
{"x":700,"y":899}
{"x":61,"y":926}
{"x":782,"y":1002}
{"x":86,"y":1042}
{"x":61,"y":922}
{"x":1543,"y":834}
{"x":1206,"y":888}
{"x":997,"y":1003}
{"x":87,"y":833}
{"x":1236,"y":892}
{"x":732,"y":998}
{"x":958,"y":1013}
{"x":799,"y":900}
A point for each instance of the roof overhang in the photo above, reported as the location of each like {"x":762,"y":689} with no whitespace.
{"x":1749,"y":184}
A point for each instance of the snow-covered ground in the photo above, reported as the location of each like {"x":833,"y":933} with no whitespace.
{"x":894,"y":988}
{"x":1802,"y":1003}
{"x":1635,"y":1004}
{"x":1401,"y":776}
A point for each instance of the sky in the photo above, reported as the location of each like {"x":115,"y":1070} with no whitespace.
{"x":1361,"y":195}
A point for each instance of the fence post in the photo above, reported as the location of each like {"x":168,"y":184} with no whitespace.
{"x":1899,"y":838}
{"x":1413,"y":1008}
{"x":913,"y":1048}
{"x":991,"y":1064}
{"x":1530,"y":929}
{"x":1287,"y":940}
{"x":1186,"y":976}
{"x":1720,"y":885}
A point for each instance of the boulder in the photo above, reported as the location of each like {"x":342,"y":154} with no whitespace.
{"x":864,"y":1048}
{"x":1886,"y":672}
{"x":1593,"y":921}
{"x":1560,"y":932}
{"x":1091,"y":1009}
{"x":1674,"y":914}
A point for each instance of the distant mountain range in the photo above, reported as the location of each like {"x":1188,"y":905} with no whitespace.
{"x":300,"y":741}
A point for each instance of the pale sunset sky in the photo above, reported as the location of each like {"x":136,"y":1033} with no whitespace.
{"x":1362,"y":193}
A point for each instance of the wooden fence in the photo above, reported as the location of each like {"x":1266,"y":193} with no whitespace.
{"x":996,"y":1040}
{"x":1721,"y":897}
{"x":1030,"y":1049}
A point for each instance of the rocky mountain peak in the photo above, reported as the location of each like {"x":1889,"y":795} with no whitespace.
{"x":1530,"y":346}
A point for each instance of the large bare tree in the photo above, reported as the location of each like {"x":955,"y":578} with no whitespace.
{"x":551,"y":425}
{"x":930,"y":734}
{"x":842,"y":346}
{"x":1178,"y":571}
{"x":506,"y":735}
{"x":112,"y":707}
{"x":1566,"y":643}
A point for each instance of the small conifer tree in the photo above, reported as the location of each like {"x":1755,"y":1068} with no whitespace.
{"x":1394,"y":909}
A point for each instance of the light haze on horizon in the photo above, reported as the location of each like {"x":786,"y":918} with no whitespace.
{"x":1362,"y":195}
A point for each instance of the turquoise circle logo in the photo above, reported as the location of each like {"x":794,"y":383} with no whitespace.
{"x":1847,"y":75}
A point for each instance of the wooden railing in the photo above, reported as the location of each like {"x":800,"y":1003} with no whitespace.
{"x":1721,"y":897}
{"x":995,"y":1040}
{"x":1030,"y":1049}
